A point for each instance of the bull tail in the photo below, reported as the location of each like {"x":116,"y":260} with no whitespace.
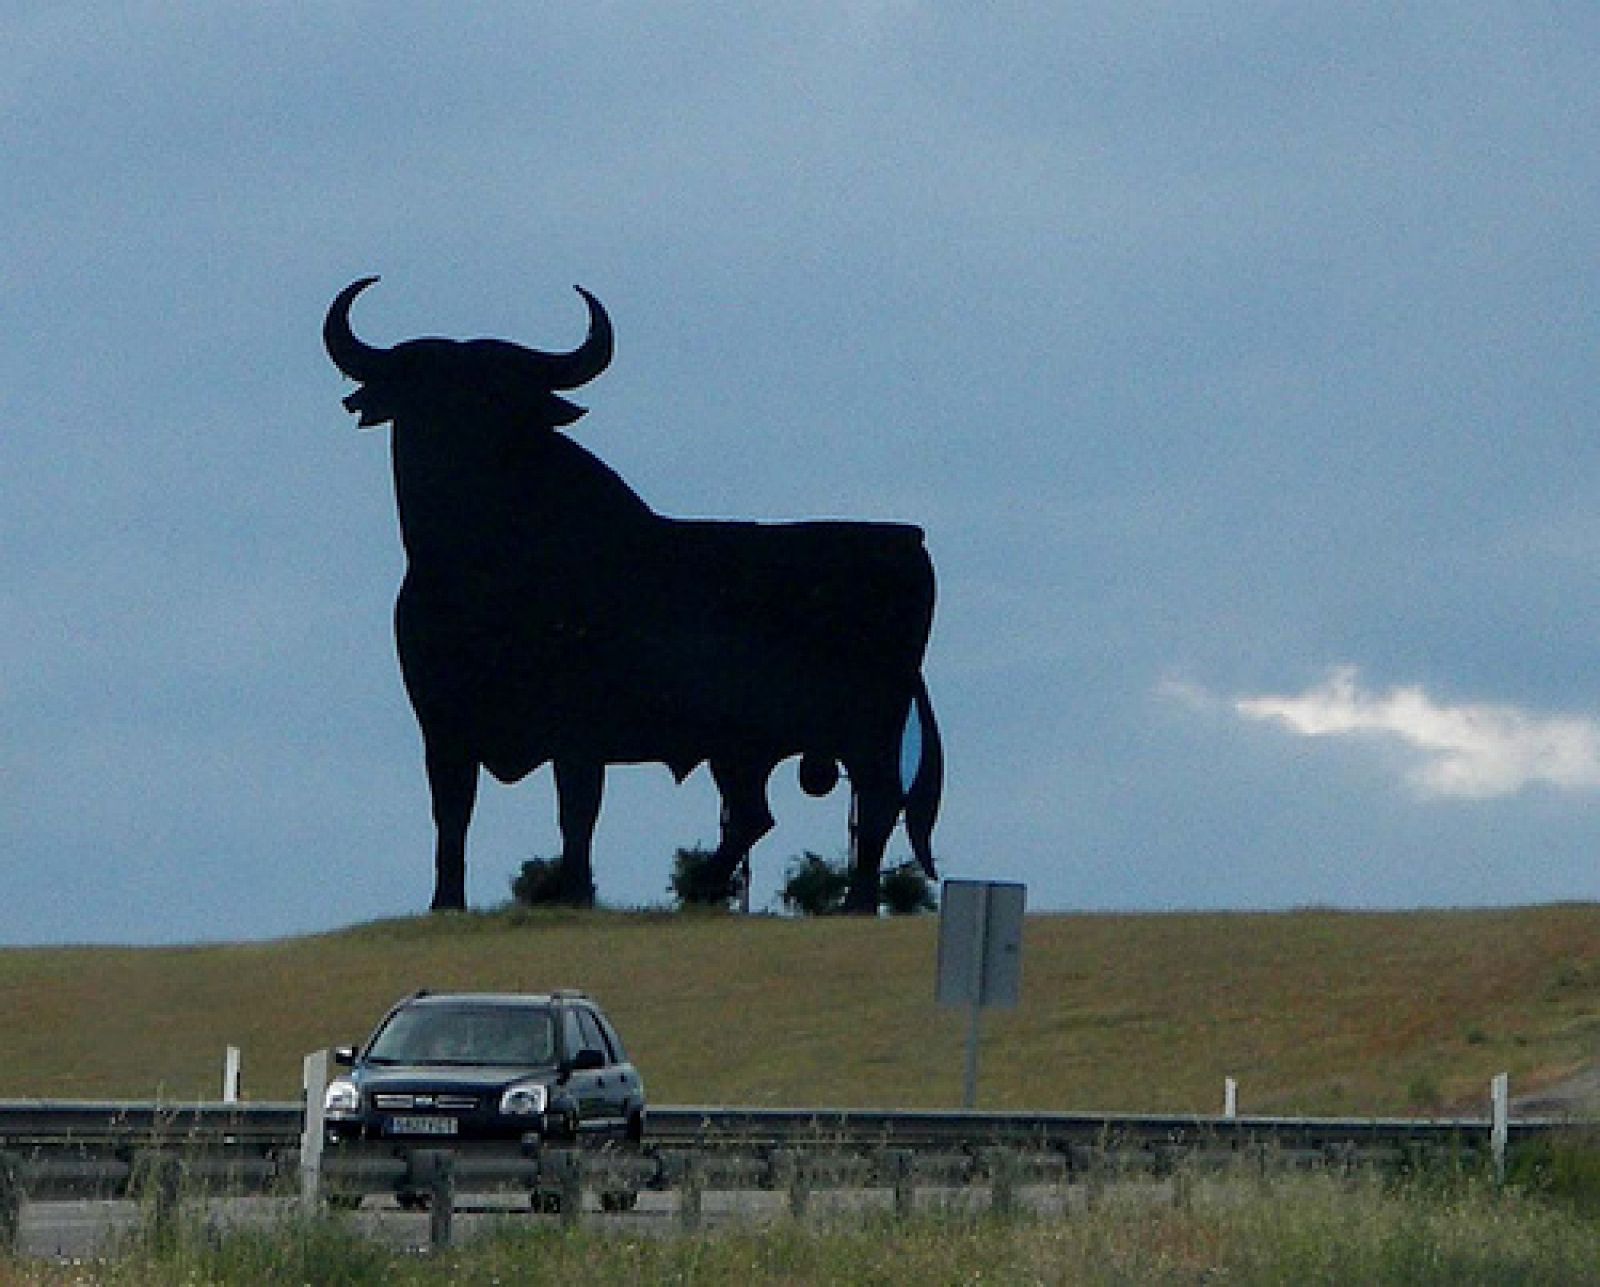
{"x":927,"y":783}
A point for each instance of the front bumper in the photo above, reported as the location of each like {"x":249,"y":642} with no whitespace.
{"x":442,"y":1130}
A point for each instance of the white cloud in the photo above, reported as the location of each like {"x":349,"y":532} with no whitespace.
{"x":1474,"y":751}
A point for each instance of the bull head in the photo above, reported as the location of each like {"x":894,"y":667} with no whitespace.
{"x":519,"y":382}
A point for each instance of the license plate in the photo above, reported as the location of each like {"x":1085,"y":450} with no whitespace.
{"x":422,"y":1126}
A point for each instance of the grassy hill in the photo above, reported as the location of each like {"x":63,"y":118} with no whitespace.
{"x":1312,"y":1011}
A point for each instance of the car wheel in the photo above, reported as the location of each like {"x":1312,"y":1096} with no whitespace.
{"x":622,"y":1200}
{"x":413,"y":1200}
{"x":546,"y":1202}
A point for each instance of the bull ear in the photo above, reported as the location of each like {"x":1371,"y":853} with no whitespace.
{"x":558,"y":413}
{"x":370,"y":404}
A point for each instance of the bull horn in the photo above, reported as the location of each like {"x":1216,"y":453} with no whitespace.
{"x":356,"y":359}
{"x":569,"y":370}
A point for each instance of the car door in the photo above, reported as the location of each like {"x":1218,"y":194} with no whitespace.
{"x":625,"y":1082}
{"x":586,"y":1086}
{"x":609,"y":1086}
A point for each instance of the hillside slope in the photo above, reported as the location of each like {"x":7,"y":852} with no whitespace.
{"x":1312,"y":1011}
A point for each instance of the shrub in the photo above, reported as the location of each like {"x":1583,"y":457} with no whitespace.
{"x":905,"y":891}
{"x":695,"y":884}
{"x":538,"y":884}
{"x":817,"y":887}
{"x":813,"y":886}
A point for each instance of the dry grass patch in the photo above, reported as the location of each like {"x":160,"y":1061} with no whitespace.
{"x":1312,"y":1011}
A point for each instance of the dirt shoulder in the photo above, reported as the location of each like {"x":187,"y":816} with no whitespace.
{"x":1577,"y":1096}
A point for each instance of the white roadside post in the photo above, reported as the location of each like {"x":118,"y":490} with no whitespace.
{"x":231,"y":1064}
{"x":315,"y":1081}
{"x":980,"y":955}
{"x":1230,"y":1098}
{"x":1499,"y":1123}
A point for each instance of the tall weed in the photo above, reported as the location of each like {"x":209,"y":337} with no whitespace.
{"x":1307,"y":1229}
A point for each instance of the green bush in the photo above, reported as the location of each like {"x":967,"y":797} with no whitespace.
{"x":695,"y":884}
{"x":817,"y":887}
{"x":905,"y":891}
{"x":813,"y":886}
{"x":538,"y":884}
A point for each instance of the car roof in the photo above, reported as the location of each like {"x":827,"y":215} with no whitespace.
{"x":494,"y":998}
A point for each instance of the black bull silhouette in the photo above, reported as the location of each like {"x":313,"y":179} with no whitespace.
{"x":548,"y":614}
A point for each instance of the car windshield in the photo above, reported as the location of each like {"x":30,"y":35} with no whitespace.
{"x":520,"y":1036}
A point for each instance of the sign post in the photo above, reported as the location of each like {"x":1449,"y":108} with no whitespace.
{"x":980,"y":956}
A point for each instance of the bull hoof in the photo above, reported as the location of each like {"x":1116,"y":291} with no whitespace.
{"x":581,"y":898}
{"x":855,"y":905}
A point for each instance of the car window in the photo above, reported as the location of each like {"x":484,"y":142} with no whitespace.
{"x":618,"y":1054}
{"x":592,"y":1040}
{"x":571,"y":1033}
{"x":511,"y":1035}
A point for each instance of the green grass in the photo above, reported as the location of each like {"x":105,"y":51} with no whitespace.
{"x":1312,"y":1011}
{"x":1309,"y":1230}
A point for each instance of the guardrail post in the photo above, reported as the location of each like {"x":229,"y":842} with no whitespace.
{"x":899,"y":1164}
{"x":569,"y":1176}
{"x":155,"y":1182}
{"x":1499,"y":1123}
{"x":691,"y":1191}
{"x":790,"y":1172}
{"x":1340,"y":1157}
{"x":1182,"y":1183}
{"x":232,"y":1064}
{"x":1262,"y":1156}
{"x":1001,"y":1163}
{"x":1094,"y":1178}
{"x":1416,"y":1158}
{"x":1167,"y":1161}
{"x":314,"y":1084}
{"x":11,"y":1198}
{"x":434,"y":1169}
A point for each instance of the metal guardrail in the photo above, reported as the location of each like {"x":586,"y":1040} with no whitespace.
{"x":271,"y":1126}
{"x":268,"y":1126}
{"x":43,"y":1122}
{"x":845,"y":1127}
{"x":156,"y":1152}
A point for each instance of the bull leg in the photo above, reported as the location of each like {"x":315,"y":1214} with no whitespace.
{"x":745,"y":815}
{"x":875,"y":801}
{"x":453,"y":783}
{"x":579,"y":784}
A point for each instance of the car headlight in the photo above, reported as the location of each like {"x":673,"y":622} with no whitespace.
{"x":524,"y":1101}
{"x":341,"y":1097}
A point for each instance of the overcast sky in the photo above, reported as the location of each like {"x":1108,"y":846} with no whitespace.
{"x":1239,"y":359}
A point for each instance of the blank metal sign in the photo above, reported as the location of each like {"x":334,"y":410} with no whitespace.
{"x":980,"y":943}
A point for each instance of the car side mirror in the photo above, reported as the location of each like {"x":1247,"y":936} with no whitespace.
{"x":588,"y":1060}
{"x":344,"y":1056}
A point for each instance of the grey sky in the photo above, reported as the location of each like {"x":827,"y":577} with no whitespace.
{"x":1228,"y":353}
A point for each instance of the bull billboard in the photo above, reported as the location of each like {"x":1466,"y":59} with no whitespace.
{"x":548,"y":615}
